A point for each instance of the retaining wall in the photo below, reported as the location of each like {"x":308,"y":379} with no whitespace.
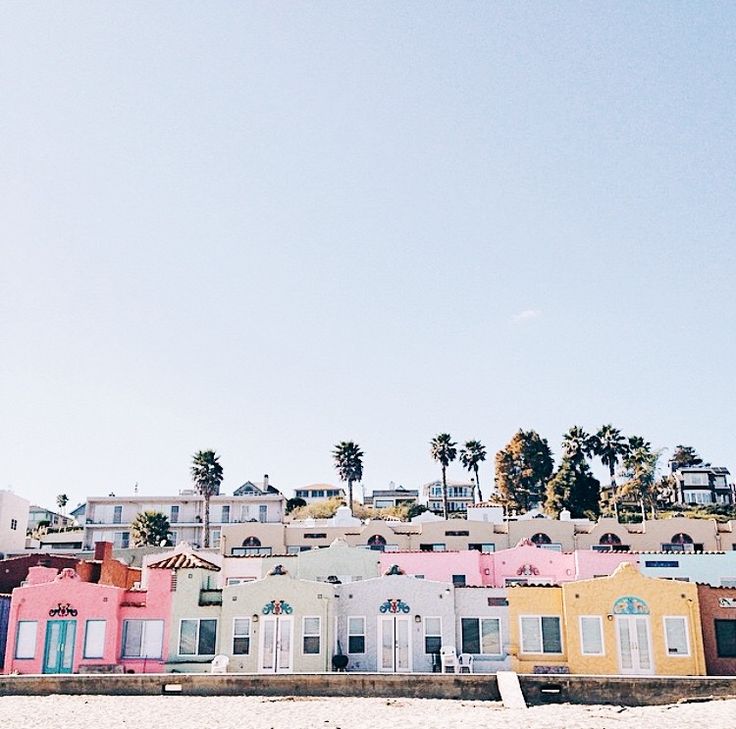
{"x":627,"y":691}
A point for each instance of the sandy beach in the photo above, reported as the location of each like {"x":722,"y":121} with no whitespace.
{"x":111,"y":712}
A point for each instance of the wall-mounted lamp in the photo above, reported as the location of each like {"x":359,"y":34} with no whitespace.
{"x":609,"y":617}
{"x":486,"y":571}
{"x":255,"y":617}
{"x":417,"y":618}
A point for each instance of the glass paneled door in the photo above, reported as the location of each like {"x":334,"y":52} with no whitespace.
{"x":58,"y":654}
{"x":394,"y":651}
{"x":276,"y":645}
{"x":634,"y":645}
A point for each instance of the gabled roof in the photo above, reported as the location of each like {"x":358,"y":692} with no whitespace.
{"x":183,"y":561}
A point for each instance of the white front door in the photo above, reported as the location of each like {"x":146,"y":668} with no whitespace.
{"x":394,"y":644}
{"x":276,"y":645}
{"x":634,"y":645}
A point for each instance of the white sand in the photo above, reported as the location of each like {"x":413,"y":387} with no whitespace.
{"x":186,"y":712}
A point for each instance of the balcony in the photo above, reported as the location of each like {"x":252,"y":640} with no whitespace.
{"x":208,"y":597}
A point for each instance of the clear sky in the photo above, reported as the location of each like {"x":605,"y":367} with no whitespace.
{"x":266,"y":227}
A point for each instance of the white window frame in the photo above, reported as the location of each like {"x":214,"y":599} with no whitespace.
{"x":85,"y":649}
{"x":317,"y":635}
{"x":684,"y":620}
{"x":141,"y":653}
{"x":357,"y":635}
{"x":196,"y":639}
{"x":480,"y":619}
{"x":541,"y":651}
{"x":426,"y":635}
{"x":583,"y":652}
{"x":232,"y":581}
{"x":27,"y":655}
{"x":242,"y":635}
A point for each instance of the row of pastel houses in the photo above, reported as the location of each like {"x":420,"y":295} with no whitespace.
{"x":526,"y":608}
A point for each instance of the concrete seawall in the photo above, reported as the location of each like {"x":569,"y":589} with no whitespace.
{"x":537,"y":689}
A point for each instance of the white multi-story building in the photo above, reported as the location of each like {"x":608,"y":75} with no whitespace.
{"x":108,"y":518}
{"x":13,"y":521}
{"x":320,"y":492}
{"x":459,"y":496}
{"x":703,"y":485}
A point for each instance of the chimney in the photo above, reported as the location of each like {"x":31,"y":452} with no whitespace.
{"x":265,"y":482}
{"x":103,"y":551}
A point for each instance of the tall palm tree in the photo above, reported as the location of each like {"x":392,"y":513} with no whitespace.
{"x":576,"y":443}
{"x":207,"y":477}
{"x":444,"y":452}
{"x":472,"y":453}
{"x":349,"y":464}
{"x":61,"y":501}
{"x":610,"y":446}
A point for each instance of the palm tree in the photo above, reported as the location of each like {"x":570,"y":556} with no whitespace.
{"x":444,"y":452}
{"x":207,"y":477}
{"x":576,"y":443}
{"x":472,"y":453}
{"x":349,"y":464}
{"x":61,"y":501}
{"x":610,"y":446}
{"x":151,"y":528}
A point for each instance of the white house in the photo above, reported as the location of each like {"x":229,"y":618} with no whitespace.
{"x":13,"y":521}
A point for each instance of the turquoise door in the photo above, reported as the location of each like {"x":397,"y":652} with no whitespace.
{"x":58,"y":655}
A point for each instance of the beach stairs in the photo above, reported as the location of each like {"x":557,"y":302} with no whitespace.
{"x":510,"y":690}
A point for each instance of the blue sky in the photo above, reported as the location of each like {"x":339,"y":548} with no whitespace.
{"x":267,"y":227}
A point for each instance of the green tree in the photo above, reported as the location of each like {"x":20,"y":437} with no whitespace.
{"x":471,"y":454}
{"x":443,"y":451}
{"x":685,"y":456}
{"x":573,"y":487}
{"x":61,"y":501}
{"x":610,"y":446}
{"x":523,"y":468}
{"x":207,"y":475}
{"x":151,"y":528}
{"x":349,"y":465}
{"x":295,"y":503}
{"x":639,"y":470}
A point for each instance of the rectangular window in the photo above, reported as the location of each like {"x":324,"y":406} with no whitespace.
{"x":485,"y":547}
{"x":241,"y":636}
{"x":25,"y":639}
{"x":121,"y":540}
{"x":317,"y":535}
{"x":675,"y":633}
{"x":457,"y":533}
{"x":117,"y":515}
{"x":541,"y":635}
{"x":310,"y":636}
{"x":215,"y":535}
{"x":591,"y":635}
{"x":174,"y":517}
{"x":356,"y":635}
{"x":143,"y":638}
{"x":94,"y":639}
{"x":432,"y":635}
{"x":458,"y":580}
{"x":14,"y":524}
{"x":197,"y":637}
{"x":661,"y":563}
{"x":726,"y":638}
{"x":436,"y":547}
{"x":481,"y":636}
{"x":225,"y":516}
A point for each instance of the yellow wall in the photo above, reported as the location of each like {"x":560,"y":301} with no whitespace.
{"x":596,"y":597}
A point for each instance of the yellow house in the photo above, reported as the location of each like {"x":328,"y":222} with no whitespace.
{"x":623,"y":624}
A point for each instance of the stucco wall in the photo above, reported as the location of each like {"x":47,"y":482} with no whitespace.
{"x":710,"y":611}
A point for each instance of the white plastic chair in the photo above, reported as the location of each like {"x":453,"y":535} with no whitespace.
{"x":465,"y":663}
{"x":219,"y":664}
{"x":448,"y":659}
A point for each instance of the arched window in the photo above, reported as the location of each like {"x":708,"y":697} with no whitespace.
{"x":682,"y":538}
{"x":541,"y":538}
{"x":609,"y":538}
{"x":252,"y":542}
{"x":377,"y":542}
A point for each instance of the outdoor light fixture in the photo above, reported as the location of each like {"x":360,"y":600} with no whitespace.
{"x":417,"y":618}
{"x":255,"y":617}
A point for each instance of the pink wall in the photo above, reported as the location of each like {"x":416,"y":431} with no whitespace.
{"x":46,"y":590}
{"x":593,"y":564}
{"x":528,"y":562}
{"x":439,"y":566}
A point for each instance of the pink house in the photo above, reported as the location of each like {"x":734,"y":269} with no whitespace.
{"x":61,"y":624}
{"x":526,"y":563}
{"x":460,"y":568}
